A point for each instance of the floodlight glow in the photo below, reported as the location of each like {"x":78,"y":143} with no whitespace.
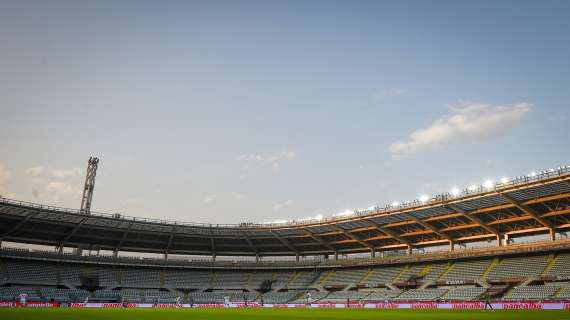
{"x":472,"y":187}
{"x":488,"y":184}
{"x":454,"y":192}
{"x":371,"y":207}
{"x":395,"y":204}
{"x":319,"y":217}
{"x":504,"y":180}
{"x":423,"y":198}
{"x":532,"y":174}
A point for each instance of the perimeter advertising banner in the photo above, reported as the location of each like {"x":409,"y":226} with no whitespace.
{"x":501,"y":305}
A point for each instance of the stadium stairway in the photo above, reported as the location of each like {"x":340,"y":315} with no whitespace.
{"x":482,"y":283}
{"x":399,"y":275}
{"x":493,"y":264}
{"x":392,"y":287}
{"x":367,"y":275}
{"x":558,"y":292}
{"x":551,"y":262}
{"x":427,"y":284}
{"x":293,"y":278}
{"x":450,"y":266}
{"x":325,"y":277}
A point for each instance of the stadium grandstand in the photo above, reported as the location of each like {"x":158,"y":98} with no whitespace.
{"x":505,"y":240}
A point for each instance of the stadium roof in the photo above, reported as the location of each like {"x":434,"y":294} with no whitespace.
{"x":535,"y":204}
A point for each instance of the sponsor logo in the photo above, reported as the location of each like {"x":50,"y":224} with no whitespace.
{"x":423,"y":305}
{"x":468,"y":305}
{"x":522,"y":305}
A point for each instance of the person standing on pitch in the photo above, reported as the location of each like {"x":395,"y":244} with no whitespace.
{"x":488,"y":302}
{"x":23,"y":300}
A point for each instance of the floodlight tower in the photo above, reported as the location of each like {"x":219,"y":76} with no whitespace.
{"x":89,"y":185}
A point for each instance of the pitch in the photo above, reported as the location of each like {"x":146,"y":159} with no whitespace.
{"x":289,"y":314}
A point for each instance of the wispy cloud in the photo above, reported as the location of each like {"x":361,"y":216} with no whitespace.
{"x":238,"y":196}
{"x":389,"y":93}
{"x":55,"y":184}
{"x":209,"y":198}
{"x":4,"y":176}
{"x":282,"y":205}
{"x":467,"y":123}
{"x":272,"y":160}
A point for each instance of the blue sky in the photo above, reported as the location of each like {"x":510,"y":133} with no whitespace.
{"x":231,"y":111}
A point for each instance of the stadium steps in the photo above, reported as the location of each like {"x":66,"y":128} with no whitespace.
{"x":161,"y":278}
{"x":558,"y":292}
{"x":509,"y":293}
{"x":324,"y":279}
{"x":392,"y":287}
{"x":493,"y":264}
{"x":551,"y":262}
{"x":425,"y":270}
{"x":248,"y":279}
{"x":482,"y":283}
{"x":404,"y":271}
{"x":367,"y":275}
{"x":213,"y":279}
{"x":447,"y":270}
{"x":427,"y":284}
{"x":293,"y":278}
{"x":528,"y":281}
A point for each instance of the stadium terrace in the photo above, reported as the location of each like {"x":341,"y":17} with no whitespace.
{"x":503,"y":246}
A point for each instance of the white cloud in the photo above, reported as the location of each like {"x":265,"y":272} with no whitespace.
{"x":55,"y":190}
{"x":238,"y":196}
{"x":209,"y":198}
{"x":63,"y":173}
{"x":390,"y":93}
{"x":55,"y":184}
{"x":35,"y":171}
{"x":4,"y":176}
{"x":272,"y":160}
{"x":282,"y":205}
{"x":467,"y":123}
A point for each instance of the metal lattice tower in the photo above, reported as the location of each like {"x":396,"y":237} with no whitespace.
{"x":89,"y":185}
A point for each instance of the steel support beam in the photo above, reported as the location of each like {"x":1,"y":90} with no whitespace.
{"x":250,"y":243}
{"x":427,"y":226}
{"x":353,"y":237}
{"x":73,"y":232}
{"x":319,"y":240}
{"x":286,"y":243}
{"x":170,"y":238}
{"x":388,"y":232}
{"x":529,"y":211}
{"x":472,"y":218}
{"x":123,"y":238}
{"x":17,"y":226}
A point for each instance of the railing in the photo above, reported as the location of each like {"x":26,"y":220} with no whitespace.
{"x":514,"y":249}
{"x":469,"y":191}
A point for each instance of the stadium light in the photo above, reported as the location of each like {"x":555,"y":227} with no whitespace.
{"x":488,"y":184}
{"x":532,"y":174}
{"x":472,"y":187}
{"x":454,"y":192}
{"x":319,"y":217}
{"x":395,"y":204}
{"x":504,"y":180}
{"x":423,"y":198}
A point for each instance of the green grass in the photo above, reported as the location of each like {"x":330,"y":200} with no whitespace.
{"x":285,"y":314}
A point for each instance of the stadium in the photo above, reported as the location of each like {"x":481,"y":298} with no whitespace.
{"x":298,"y":160}
{"x":502,"y":244}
